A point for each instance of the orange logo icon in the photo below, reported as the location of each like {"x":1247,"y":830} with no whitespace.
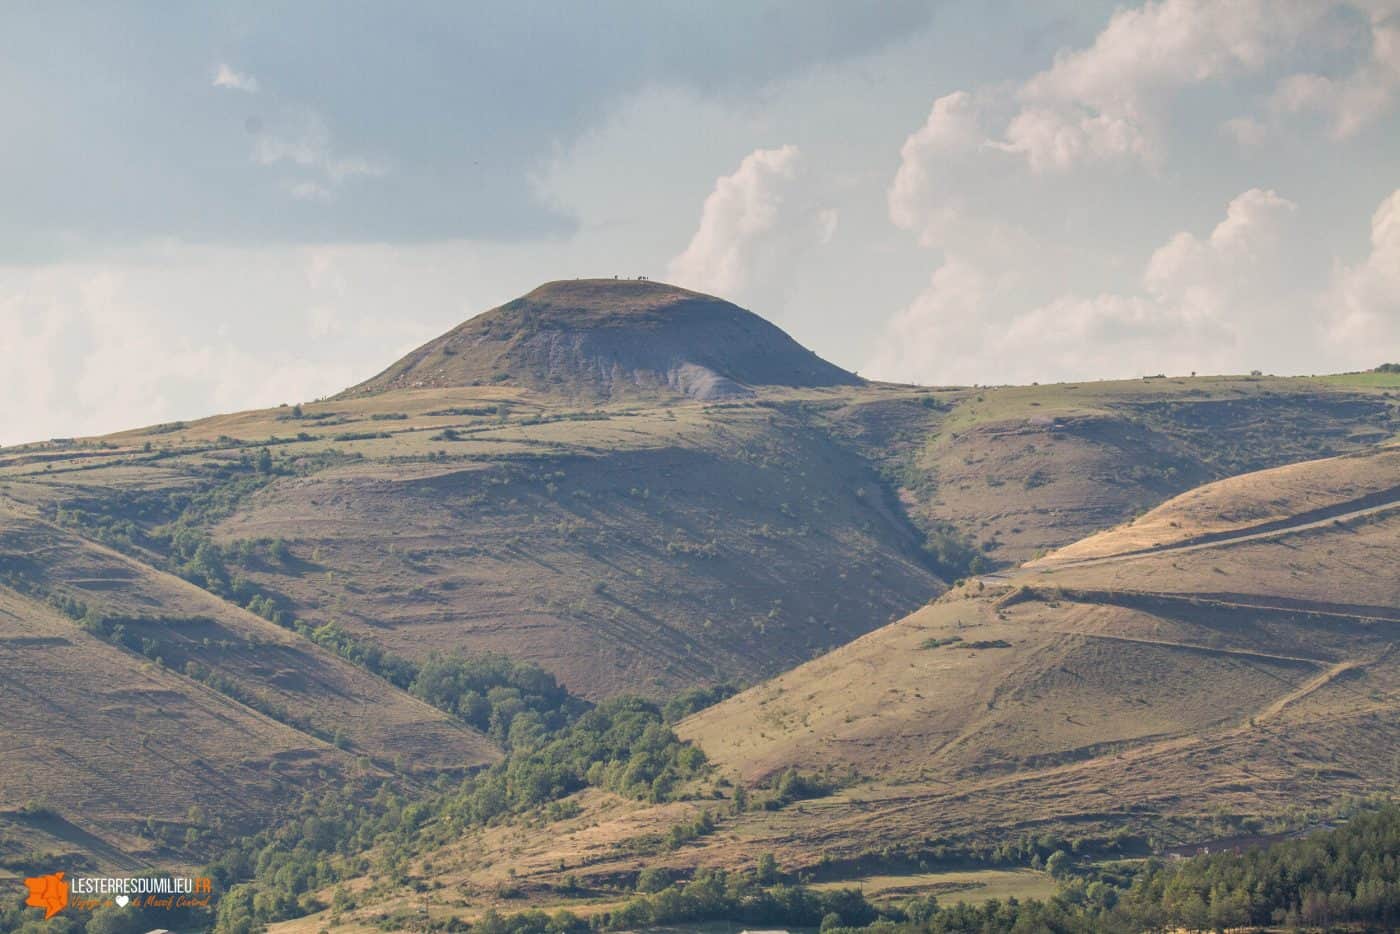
{"x":47,"y":892}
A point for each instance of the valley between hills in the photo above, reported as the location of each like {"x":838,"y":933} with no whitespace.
{"x":857,"y":628}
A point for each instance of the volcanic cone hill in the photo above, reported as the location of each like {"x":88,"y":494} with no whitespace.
{"x":613,"y":338}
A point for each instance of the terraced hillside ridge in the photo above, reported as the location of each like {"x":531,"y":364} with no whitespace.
{"x":1279,"y":502}
{"x":623,"y":548}
{"x":608,"y":338}
{"x":1023,"y":470}
{"x":141,"y":708}
{"x":111,"y":761}
{"x":1249,"y":671}
{"x":1163,"y":697}
{"x":97,"y":740}
{"x":187,"y":628}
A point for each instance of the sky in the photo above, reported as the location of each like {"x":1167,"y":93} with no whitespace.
{"x":209,"y":208}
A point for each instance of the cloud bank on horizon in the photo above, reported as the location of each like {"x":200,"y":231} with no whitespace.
{"x":1210,"y":302}
{"x":211,"y":213}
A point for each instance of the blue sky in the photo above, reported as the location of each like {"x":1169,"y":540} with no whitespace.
{"x":209,"y":208}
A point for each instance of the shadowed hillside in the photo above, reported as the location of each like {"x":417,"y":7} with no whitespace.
{"x":635,"y":551}
{"x":626,"y":549}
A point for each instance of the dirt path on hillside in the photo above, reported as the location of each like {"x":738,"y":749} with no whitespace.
{"x":1303,"y":690}
{"x":1143,"y":599}
{"x":1314,"y":519}
{"x":1140,"y":754}
{"x":1194,"y":647}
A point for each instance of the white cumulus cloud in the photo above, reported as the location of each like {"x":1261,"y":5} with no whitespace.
{"x":747,"y":223}
{"x":943,"y":335}
{"x":168,"y":331}
{"x":1024,"y":286}
{"x":955,"y":187}
{"x":227,"y":77}
{"x":1365,"y":297}
{"x":920,"y":198}
{"x":1213,"y":303}
{"x":1107,"y":102}
{"x":1058,"y":139}
{"x":308,"y":149}
{"x":1352,"y":101}
{"x":1245,"y":242}
{"x":1103,"y":102}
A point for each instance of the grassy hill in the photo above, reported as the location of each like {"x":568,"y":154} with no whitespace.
{"x":97,"y":740}
{"x":1023,"y":470}
{"x":1129,"y":699}
{"x":608,"y":338}
{"x":1245,"y":669}
{"x":142,"y":707}
{"x":622,"y":547}
{"x":1254,"y":504}
{"x":649,"y":546}
{"x":558,"y":482}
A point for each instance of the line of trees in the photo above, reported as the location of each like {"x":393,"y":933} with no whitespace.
{"x":555,"y":743}
{"x":1348,"y":877}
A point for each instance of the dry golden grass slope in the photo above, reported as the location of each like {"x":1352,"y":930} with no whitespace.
{"x":1170,"y":695}
{"x":625,"y":548}
{"x":1250,"y":672}
{"x":199,"y":705}
{"x":1255,"y":503}
{"x":97,"y":740}
{"x":279,"y":671}
{"x":1026,"y":469}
